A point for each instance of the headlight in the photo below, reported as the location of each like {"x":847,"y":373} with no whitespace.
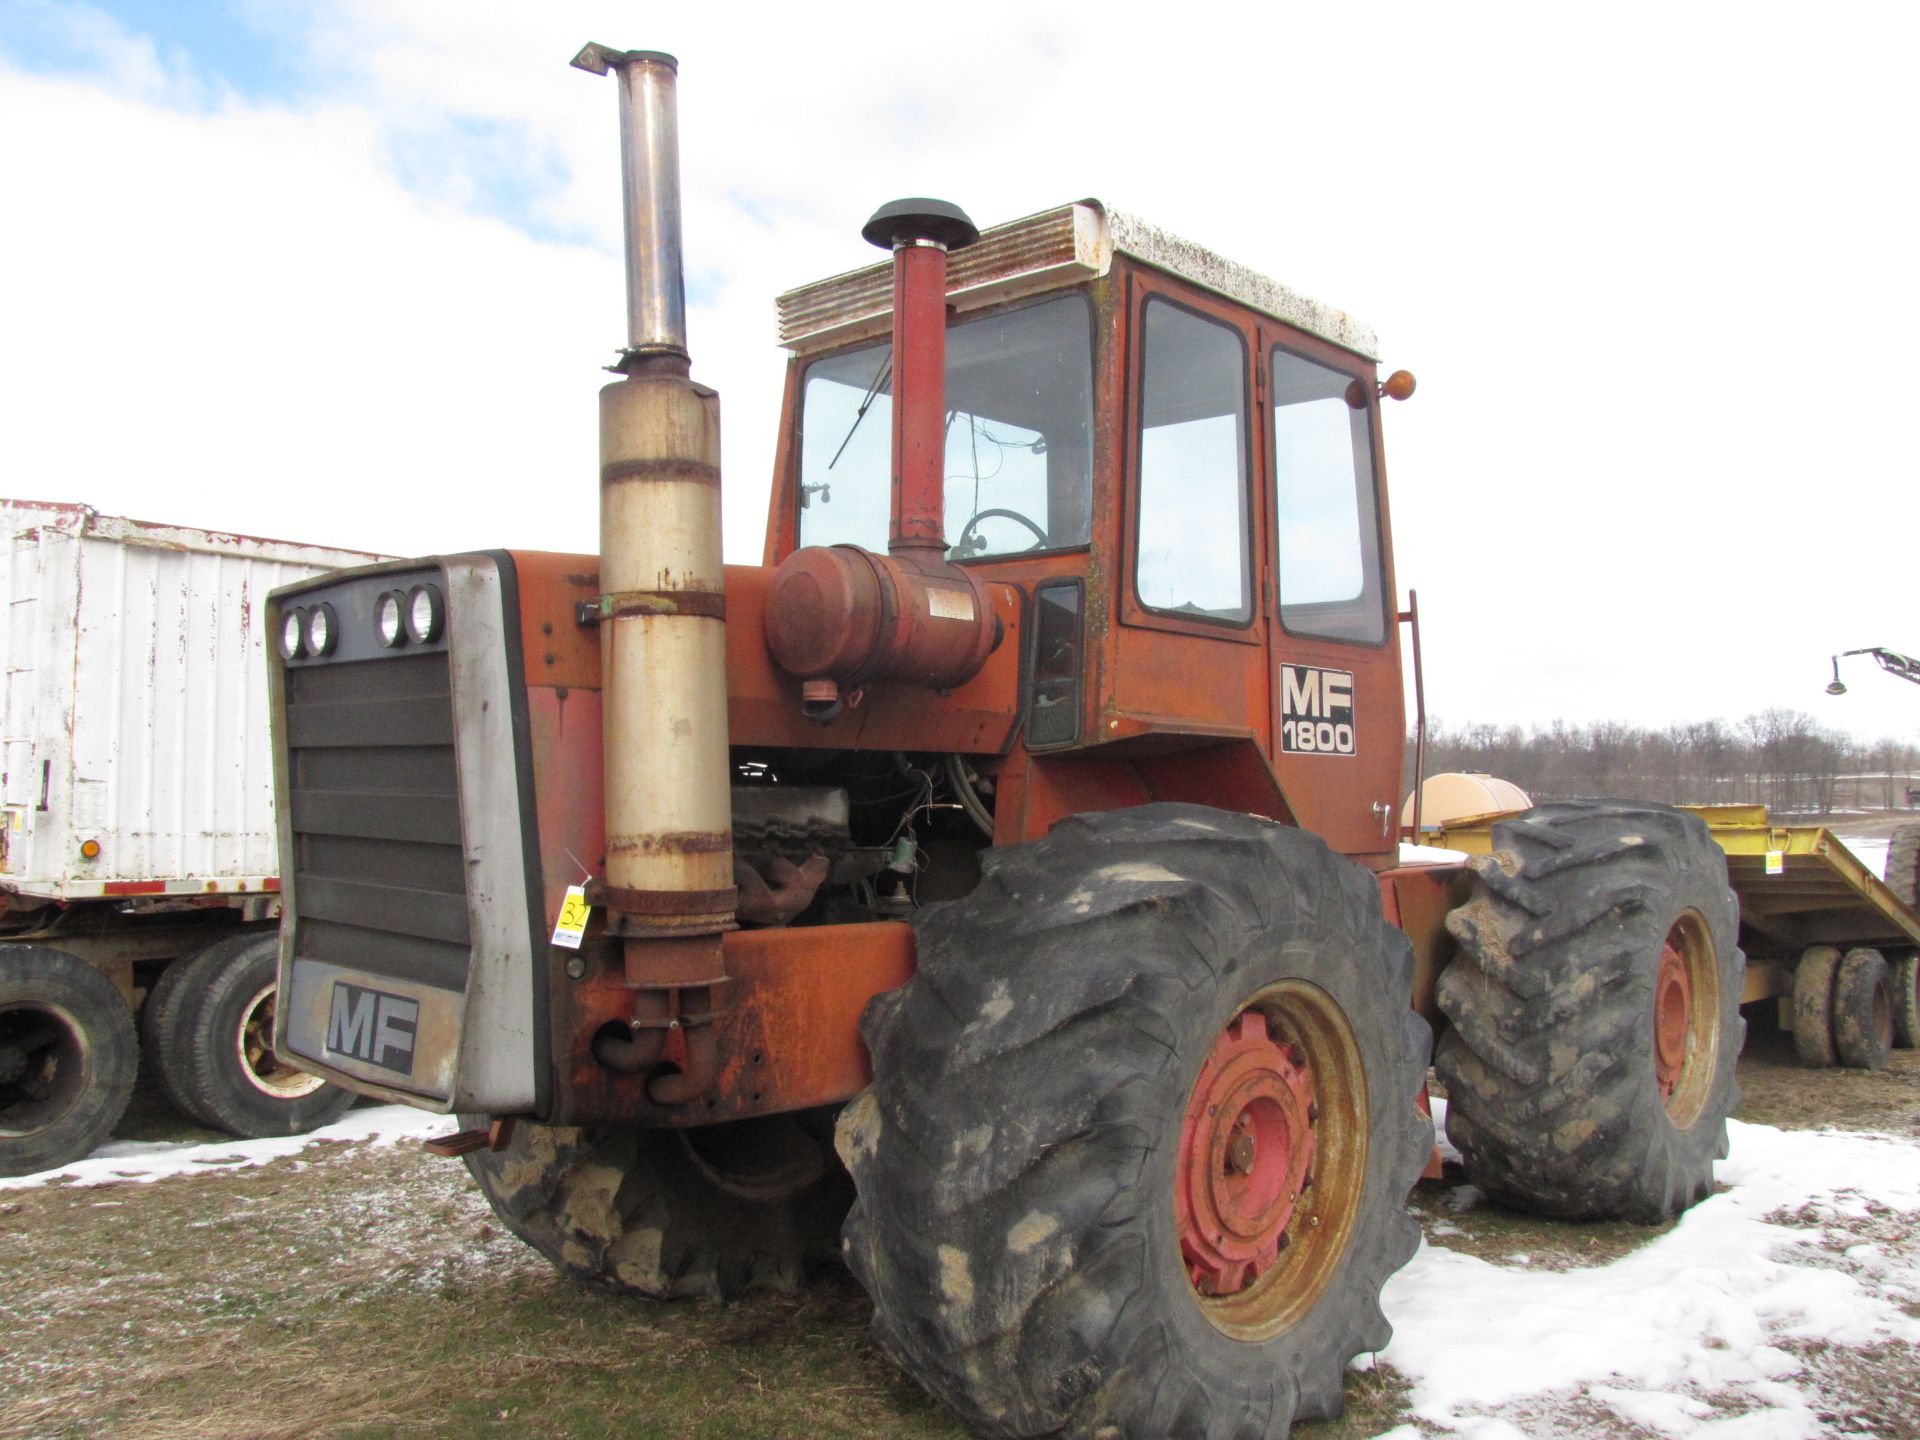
{"x":293,"y":630}
{"x":388,"y":614}
{"x":426,"y":614}
{"x":323,"y":631}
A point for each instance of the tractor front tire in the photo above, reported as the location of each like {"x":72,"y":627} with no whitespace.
{"x":68,"y":1058}
{"x":711,"y":1213}
{"x":1136,"y":1155}
{"x":1594,"y":1009}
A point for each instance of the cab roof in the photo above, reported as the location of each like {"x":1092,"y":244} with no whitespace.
{"x":1052,"y":250}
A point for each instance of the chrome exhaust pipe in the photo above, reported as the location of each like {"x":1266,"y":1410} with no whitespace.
{"x":650,"y":189}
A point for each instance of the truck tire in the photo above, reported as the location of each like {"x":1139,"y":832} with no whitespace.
{"x":1903,"y":864}
{"x":1595,"y":1012}
{"x":1136,"y":1155}
{"x":213,"y":1045}
{"x":1863,"y":1011}
{"x":159,"y":1028}
{"x":1905,"y":971}
{"x":68,"y":1058}
{"x":667,"y":1214}
{"x":1813,"y":1007}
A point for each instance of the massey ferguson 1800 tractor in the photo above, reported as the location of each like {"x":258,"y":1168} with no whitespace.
{"x":999,"y":883}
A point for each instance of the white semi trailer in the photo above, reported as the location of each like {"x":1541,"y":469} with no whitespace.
{"x":139,"y":880}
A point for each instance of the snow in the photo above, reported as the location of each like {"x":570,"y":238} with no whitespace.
{"x":1694,"y":1316}
{"x":147,"y":1161}
{"x":1429,"y":855}
{"x":1871,"y":851}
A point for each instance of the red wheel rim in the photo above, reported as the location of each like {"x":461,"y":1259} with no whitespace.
{"x":1247,"y":1149}
{"x":1672,"y":1015}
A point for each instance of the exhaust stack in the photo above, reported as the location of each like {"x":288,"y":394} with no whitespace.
{"x":668,"y":888}
{"x":650,"y":192}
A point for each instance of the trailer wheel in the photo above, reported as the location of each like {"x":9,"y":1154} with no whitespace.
{"x":213,"y":1044}
{"x":1142,"y":1128}
{"x":1903,"y":864}
{"x":1905,"y":973}
{"x":68,"y":1058}
{"x":1595,"y":1012}
{"x":1813,"y":981}
{"x":714,"y":1212}
{"x":1863,"y":1011}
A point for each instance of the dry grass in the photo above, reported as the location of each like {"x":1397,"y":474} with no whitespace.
{"x":360,"y":1294}
{"x":1775,"y":1090}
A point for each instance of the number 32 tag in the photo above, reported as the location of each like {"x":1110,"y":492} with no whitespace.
{"x":572,"y":923}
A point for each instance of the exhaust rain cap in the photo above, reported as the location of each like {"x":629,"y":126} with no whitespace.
{"x":908,"y":222}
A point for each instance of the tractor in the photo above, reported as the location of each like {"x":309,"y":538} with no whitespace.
{"x":998,"y":886}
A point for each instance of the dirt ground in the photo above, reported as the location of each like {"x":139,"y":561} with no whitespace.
{"x":365,"y":1293}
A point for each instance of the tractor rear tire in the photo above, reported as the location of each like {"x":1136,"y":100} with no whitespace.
{"x":1905,"y":971}
{"x":220,"y":1054}
{"x":1595,"y":1013}
{"x":1863,"y":1011}
{"x":68,"y":1058}
{"x":1903,"y":864}
{"x":711,"y":1213}
{"x":1813,"y":980}
{"x":1048,"y":1118}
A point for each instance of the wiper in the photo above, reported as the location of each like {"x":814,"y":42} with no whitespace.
{"x":879,"y":379}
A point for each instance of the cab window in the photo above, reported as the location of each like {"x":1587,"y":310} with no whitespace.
{"x":1019,"y":455}
{"x":1191,"y":547}
{"x":1326,"y":515}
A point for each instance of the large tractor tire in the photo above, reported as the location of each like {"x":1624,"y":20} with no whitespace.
{"x":1136,"y":1155}
{"x":1902,"y":871}
{"x":1905,"y":971}
{"x":710,"y":1213}
{"x":1595,"y":1009}
{"x":209,"y":1033}
{"x":68,"y":1058}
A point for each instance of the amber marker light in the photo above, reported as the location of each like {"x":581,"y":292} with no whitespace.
{"x":1397,"y":386}
{"x":90,"y":849}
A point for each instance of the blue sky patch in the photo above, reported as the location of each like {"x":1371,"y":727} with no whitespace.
{"x":212,"y":46}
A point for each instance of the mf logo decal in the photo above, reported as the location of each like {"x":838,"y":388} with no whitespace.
{"x":1316,"y":711}
{"x":373,"y":1026}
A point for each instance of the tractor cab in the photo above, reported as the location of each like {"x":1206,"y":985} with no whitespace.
{"x":1174,"y":464}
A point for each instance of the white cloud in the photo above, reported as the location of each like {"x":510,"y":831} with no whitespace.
{"x":1650,"y":266}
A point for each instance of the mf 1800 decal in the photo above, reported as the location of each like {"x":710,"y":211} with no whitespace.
{"x":1316,"y":710}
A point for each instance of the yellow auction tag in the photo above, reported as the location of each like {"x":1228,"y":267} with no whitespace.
{"x":1776,"y":863}
{"x":572,"y":923}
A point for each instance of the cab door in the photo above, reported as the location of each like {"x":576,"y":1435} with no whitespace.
{"x":1338,"y":715}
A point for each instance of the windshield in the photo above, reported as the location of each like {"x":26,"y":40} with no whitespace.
{"x":1019,"y":467}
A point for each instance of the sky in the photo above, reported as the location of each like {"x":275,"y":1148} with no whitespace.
{"x":346,"y":273}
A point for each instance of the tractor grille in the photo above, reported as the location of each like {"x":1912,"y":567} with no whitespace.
{"x":377,"y":861}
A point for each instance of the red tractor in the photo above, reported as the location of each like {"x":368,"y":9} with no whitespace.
{"x":1023,"y":830}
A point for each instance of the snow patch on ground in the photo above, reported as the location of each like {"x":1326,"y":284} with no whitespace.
{"x":147,"y":1161}
{"x":1684,"y":1336}
{"x":1429,"y":855}
{"x":1870,"y":851}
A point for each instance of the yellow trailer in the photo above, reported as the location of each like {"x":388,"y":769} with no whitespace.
{"x":1825,"y":937}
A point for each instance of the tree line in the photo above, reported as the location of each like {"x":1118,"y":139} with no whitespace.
{"x":1781,"y":758}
